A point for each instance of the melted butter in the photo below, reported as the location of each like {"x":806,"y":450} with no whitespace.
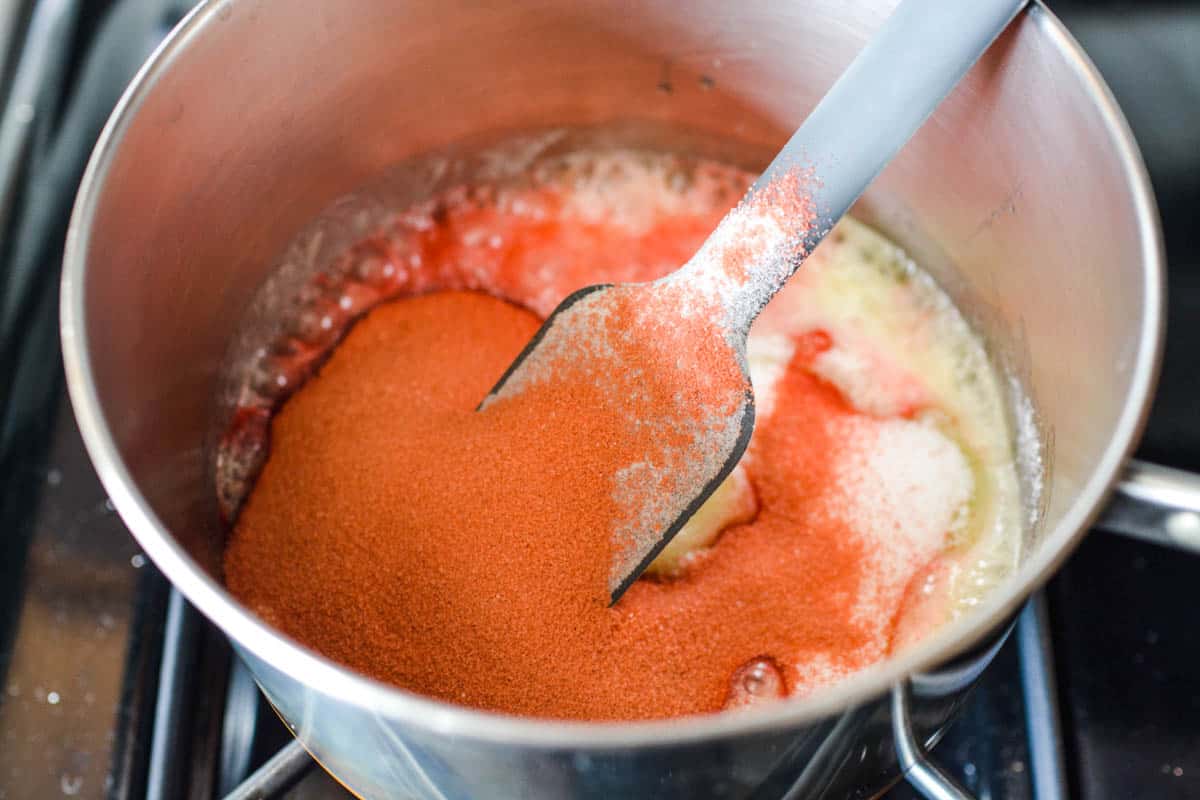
{"x":874,"y":300}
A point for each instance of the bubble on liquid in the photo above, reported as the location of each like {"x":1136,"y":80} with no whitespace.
{"x":70,"y":784}
{"x":309,"y":294}
{"x":313,"y":326}
{"x":758,"y":681}
{"x":374,"y":271}
{"x":263,"y":378}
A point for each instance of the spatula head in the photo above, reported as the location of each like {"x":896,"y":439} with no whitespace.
{"x":671,"y":382}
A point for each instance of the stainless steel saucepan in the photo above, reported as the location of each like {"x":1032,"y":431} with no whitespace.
{"x":1024,"y":195}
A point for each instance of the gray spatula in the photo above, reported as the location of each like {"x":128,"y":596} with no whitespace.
{"x":898,"y":79}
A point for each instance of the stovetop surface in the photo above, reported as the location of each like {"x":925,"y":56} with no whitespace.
{"x":82,"y":612}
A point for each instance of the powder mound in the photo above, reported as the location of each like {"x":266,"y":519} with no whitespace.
{"x":904,"y":489}
{"x":906,"y":484}
{"x":470,"y":549}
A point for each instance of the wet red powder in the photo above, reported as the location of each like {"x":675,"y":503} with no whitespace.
{"x":465,"y":555}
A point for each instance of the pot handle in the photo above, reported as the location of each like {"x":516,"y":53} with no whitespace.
{"x":1149,"y":502}
{"x":1156,"y":504}
{"x":921,"y":773}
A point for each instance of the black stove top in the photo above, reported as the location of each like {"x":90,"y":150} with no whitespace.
{"x":110,"y":686}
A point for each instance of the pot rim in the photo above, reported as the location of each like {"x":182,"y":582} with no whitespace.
{"x":389,"y":702}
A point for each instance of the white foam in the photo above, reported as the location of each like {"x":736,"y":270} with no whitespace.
{"x":904,"y":489}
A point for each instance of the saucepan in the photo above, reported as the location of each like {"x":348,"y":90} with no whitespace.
{"x":1024,"y":196}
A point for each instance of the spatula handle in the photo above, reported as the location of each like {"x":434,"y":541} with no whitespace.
{"x":923,"y":49}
